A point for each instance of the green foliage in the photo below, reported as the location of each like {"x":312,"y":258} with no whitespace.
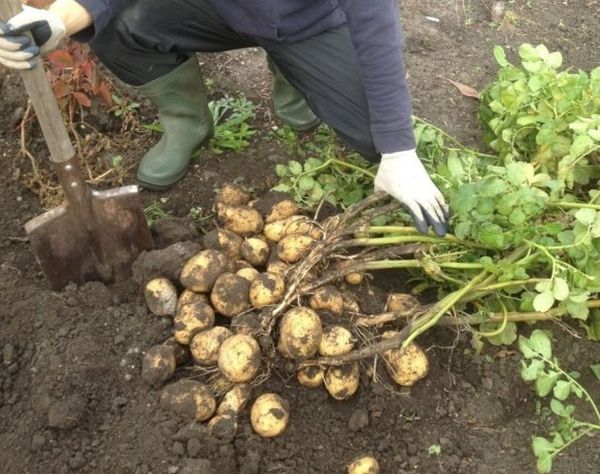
{"x":122,"y":107}
{"x":156,"y":211}
{"x":550,"y":380}
{"x":231,"y":128}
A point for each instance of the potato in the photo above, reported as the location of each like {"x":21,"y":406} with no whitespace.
{"x":406,"y":366}
{"x":364,"y":465}
{"x":249,"y":273}
{"x":355,"y":278}
{"x":161,"y":297}
{"x":230,"y":295}
{"x":401,"y":302}
{"x":327,"y":298}
{"x":242,"y":220}
{"x":189,"y":399}
{"x":278,"y":267}
{"x":304,"y":226}
{"x":336,"y":340}
{"x":225,"y":241}
{"x":182,"y":353}
{"x":246,"y":323}
{"x":220,"y":384}
{"x":311,"y":376}
{"x":158,"y":365}
{"x":275,"y":230}
{"x":239,"y":358}
{"x":202,"y":270}
{"x":191,"y":319}
{"x":235,"y":400}
{"x":266,"y":289}
{"x":205,"y":345}
{"x":300,"y":333}
{"x":275,"y":206}
{"x":293,"y":247}
{"x":350,"y":303}
{"x":223,"y":427}
{"x":342,"y":382}
{"x":189,"y":296}
{"x":255,"y":251}
{"x":269,"y":415}
{"x":232,"y":195}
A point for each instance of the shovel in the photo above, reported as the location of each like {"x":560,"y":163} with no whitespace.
{"x":92,"y":235}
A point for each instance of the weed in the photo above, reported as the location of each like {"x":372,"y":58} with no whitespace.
{"x":156,"y":211}
{"x":230,"y":118}
{"x":122,"y":108}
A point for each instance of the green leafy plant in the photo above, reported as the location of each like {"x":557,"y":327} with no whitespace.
{"x":156,"y":211}
{"x":231,"y":128}
{"x":122,"y":107}
{"x":550,"y":380}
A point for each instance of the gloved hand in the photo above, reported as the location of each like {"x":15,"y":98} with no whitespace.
{"x":403,"y":176}
{"x":17,"y":51}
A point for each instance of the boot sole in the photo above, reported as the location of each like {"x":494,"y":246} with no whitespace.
{"x":163,"y":186}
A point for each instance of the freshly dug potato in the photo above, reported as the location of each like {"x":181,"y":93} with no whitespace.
{"x":401,"y":302}
{"x":342,"y":382}
{"x":158,"y":365}
{"x":350,"y":303}
{"x":275,"y":230}
{"x":275,"y":206}
{"x":336,"y":340}
{"x":406,"y":366}
{"x":232,"y":195}
{"x":225,"y":241}
{"x":246,"y":323}
{"x":189,"y":399}
{"x":238,"y":265}
{"x":304,"y":226}
{"x":182,"y":353}
{"x":220,"y":385}
{"x":205,"y":345}
{"x":235,"y":400}
{"x":189,"y":296}
{"x":311,"y":376}
{"x":223,"y":427}
{"x":230,"y":295}
{"x":269,"y":415}
{"x":243,"y":220}
{"x":355,"y":278}
{"x":161,"y":297}
{"x":191,"y":319}
{"x":202,"y":270}
{"x":364,"y":465}
{"x":239,"y":358}
{"x":278,"y":267}
{"x":265,"y":289}
{"x":249,"y":273}
{"x":300,"y":333}
{"x":255,"y":251}
{"x":293,"y":247}
{"x":327,"y":298}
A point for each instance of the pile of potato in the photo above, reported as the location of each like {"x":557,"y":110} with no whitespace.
{"x":215,"y":307}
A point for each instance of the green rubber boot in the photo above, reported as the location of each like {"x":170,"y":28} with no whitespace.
{"x":290,"y":106}
{"x":180,"y":97}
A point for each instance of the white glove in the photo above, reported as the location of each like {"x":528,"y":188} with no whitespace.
{"x":17,"y":51}
{"x":403,"y":177}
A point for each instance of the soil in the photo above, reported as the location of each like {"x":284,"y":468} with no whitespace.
{"x":72,"y":399}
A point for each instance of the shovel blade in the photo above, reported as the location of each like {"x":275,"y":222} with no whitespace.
{"x":100,"y":246}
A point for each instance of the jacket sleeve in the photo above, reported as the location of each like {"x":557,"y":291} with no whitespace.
{"x":377,"y":38}
{"x":102,"y":12}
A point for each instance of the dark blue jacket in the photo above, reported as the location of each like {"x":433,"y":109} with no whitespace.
{"x":375,"y":30}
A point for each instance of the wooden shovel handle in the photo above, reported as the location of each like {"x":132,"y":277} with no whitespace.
{"x":43,"y":100}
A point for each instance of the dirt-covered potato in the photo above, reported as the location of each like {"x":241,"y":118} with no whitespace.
{"x":269,"y":415}
{"x":304,"y":226}
{"x":189,"y":296}
{"x":158,"y":365}
{"x":275,"y":206}
{"x":182,"y":353}
{"x":277,"y":267}
{"x":239,"y":358}
{"x":300,"y":333}
{"x":275,"y":230}
{"x":202,"y":270}
{"x":364,"y":465}
{"x":350,"y":303}
{"x":232,"y":195}
{"x":336,"y":340}
{"x":249,"y":273}
{"x":311,"y":376}
{"x":223,"y":427}
{"x":293,"y":247}
{"x":220,"y":385}
{"x":225,"y":241}
{"x":355,"y":278}
{"x":161,"y":297}
{"x":406,"y":366}
{"x":342,"y":382}
{"x":205,"y":345}
{"x":229,"y":295}
{"x":255,"y":251}
{"x":401,"y":302}
{"x":189,"y":399}
{"x":243,"y":220}
{"x":265,"y":289}
{"x":191,"y":319}
{"x":327,"y":298}
{"x":235,"y":400}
